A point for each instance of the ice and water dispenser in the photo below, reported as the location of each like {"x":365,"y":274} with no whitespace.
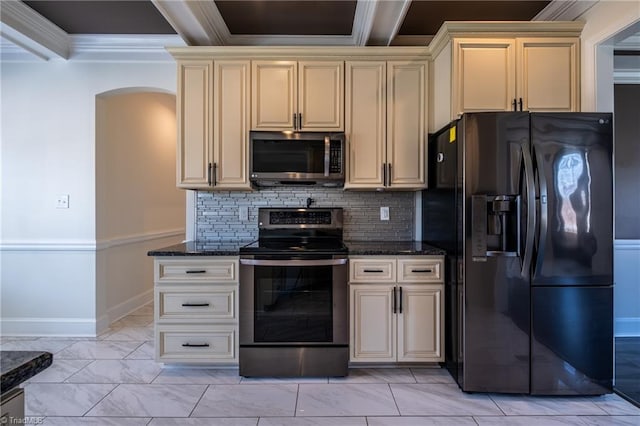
{"x":495,"y":226}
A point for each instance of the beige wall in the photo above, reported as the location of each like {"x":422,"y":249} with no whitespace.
{"x":138,"y":207}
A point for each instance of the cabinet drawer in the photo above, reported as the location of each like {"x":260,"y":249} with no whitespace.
{"x":419,"y":270}
{"x":372,"y":270}
{"x":195,"y":303}
{"x":191,"y":343}
{"x":196,"y":270}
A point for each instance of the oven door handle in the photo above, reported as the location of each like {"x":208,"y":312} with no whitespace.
{"x":293,"y":262}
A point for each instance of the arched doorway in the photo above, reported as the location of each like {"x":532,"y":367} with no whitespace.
{"x":138,"y":206}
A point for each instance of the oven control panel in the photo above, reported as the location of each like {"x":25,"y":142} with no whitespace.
{"x":303,"y":218}
{"x":324,"y":218}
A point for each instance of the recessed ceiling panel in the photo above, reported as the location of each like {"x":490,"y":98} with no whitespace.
{"x":273,"y":17}
{"x":426,"y":17}
{"x":104,"y":17}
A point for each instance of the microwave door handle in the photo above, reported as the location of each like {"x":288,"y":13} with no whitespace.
{"x":327,"y":155}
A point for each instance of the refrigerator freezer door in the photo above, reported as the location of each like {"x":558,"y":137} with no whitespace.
{"x":573,"y":155}
{"x":572,"y":340}
{"x":495,"y":310}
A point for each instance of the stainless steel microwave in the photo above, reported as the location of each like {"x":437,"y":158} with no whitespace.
{"x":297,"y":158}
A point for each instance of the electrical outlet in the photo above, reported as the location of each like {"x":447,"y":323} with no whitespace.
{"x":243,"y":212}
{"x":384,"y":213}
{"x":62,"y":201}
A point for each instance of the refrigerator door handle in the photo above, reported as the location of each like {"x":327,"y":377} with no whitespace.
{"x":531,"y":212}
{"x":542,"y":204}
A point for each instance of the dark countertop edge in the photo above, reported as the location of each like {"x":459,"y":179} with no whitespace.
{"x":21,"y":366}
{"x":392,"y":248}
{"x":356,"y":248}
{"x":195,"y":248}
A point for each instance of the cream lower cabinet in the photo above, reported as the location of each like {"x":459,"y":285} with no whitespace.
{"x":213,"y":124}
{"x":396,"y":309}
{"x":196,"y":310}
{"x":386,"y":124}
{"x":297,"y":95}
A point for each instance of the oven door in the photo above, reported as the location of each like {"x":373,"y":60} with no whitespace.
{"x":293,"y":300}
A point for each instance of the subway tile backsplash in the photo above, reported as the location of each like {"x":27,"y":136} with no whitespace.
{"x":218,"y":213}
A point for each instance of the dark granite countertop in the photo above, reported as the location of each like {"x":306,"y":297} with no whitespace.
{"x":392,"y":248}
{"x":357,"y":248}
{"x":201,"y":248}
{"x":18,"y":366}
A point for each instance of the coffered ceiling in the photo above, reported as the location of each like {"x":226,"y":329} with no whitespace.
{"x":65,"y":29}
{"x":61,"y":28}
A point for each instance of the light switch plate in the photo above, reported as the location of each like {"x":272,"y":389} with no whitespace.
{"x":384,"y":213}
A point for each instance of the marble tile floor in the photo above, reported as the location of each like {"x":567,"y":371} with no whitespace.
{"x":113,"y":380}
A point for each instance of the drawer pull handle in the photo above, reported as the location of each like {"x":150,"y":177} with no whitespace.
{"x":378,"y":271}
{"x":195,"y":304}
{"x":197,"y":271}
{"x":195,"y":345}
{"x":417,"y":271}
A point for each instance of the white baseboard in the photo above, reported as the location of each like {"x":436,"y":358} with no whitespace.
{"x":59,"y":327}
{"x":73,"y":327}
{"x":123,"y":309}
{"x":627,"y":327}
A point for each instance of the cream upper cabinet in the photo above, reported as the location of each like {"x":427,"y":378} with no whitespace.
{"x":231,"y":124}
{"x":195,"y":109}
{"x":484,"y":75}
{"x":291,"y":95}
{"x":366,"y":123}
{"x":548,"y":76}
{"x":406,"y":124}
{"x":523,"y":74}
{"x":386,"y":124}
{"x":213,"y":125}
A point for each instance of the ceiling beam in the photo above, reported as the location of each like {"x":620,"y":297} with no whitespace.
{"x":198,"y":22}
{"x":389,"y":16}
{"x":29,"y":30}
{"x":366,"y":11}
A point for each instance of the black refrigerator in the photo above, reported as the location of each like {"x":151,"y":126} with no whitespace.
{"x":523,"y":204}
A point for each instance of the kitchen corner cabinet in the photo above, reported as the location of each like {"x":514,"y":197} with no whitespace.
{"x":524,"y":74}
{"x":196,"y":310}
{"x":213,"y":124}
{"x":386,"y":124}
{"x":396,"y":309}
{"x":297,"y":95}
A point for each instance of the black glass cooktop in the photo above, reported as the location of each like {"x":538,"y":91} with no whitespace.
{"x":299,"y":245}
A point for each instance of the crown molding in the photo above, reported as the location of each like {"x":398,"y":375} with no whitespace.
{"x":300,"y":52}
{"x":470,"y":29}
{"x":564,"y":10}
{"x":31,"y":31}
{"x":133,"y":48}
